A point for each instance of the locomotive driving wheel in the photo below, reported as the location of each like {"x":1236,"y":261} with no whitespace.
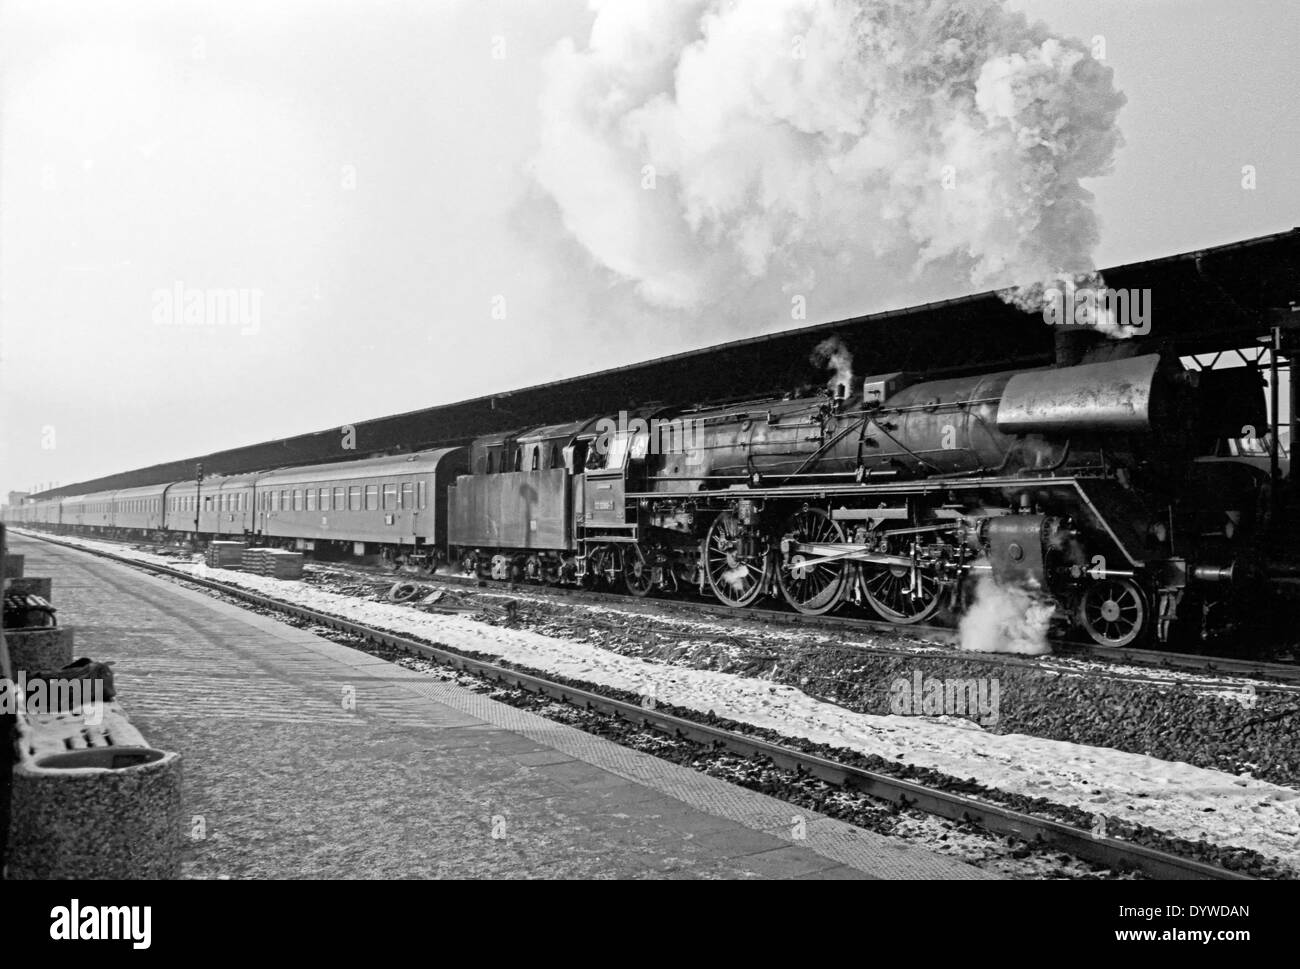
{"x":889,"y":589}
{"x":1113,"y":611}
{"x":818,"y":588}
{"x":737,"y":572}
{"x":638,"y":576}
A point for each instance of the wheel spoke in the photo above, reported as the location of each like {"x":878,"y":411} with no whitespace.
{"x":1113,"y":612}
{"x":816,"y":589}
{"x":734,"y":581}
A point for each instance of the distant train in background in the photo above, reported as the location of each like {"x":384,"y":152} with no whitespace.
{"x":1105,"y":487}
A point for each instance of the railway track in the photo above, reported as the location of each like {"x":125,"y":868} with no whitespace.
{"x":1044,"y":832}
{"x":1155,"y":659}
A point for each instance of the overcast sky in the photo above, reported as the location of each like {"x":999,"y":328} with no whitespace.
{"x":407,"y":200}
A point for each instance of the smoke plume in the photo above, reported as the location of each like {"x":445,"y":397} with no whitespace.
{"x":833,"y":355}
{"x":1005,"y":619}
{"x":716,"y":153}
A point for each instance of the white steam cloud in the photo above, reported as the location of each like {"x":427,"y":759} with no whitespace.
{"x":698,"y":147}
{"x":833,"y":355}
{"x":1006,"y":619}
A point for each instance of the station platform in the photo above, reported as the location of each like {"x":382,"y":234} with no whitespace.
{"x":415,"y":778}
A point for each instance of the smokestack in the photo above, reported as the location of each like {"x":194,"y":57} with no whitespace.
{"x":1073,"y":344}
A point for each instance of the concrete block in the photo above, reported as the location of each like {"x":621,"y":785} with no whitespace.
{"x":43,"y":587}
{"x":92,"y":800}
{"x":33,"y":650}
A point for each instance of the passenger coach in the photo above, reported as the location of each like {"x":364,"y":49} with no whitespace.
{"x":398,"y":503}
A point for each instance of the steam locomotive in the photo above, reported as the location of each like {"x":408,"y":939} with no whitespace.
{"x":1078,"y":484}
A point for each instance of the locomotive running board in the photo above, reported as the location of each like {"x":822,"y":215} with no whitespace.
{"x":851,"y":488}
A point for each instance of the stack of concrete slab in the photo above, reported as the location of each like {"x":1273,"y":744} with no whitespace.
{"x":225,"y":555}
{"x":44,"y":645}
{"x":273,"y":562}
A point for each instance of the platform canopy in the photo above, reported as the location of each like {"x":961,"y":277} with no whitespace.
{"x":1202,"y":302}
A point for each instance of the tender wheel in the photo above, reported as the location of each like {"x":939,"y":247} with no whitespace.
{"x":737,"y":578}
{"x":813,"y":590}
{"x":638,"y":576}
{"x":888,"y":589}
{"x":1113,"y":612}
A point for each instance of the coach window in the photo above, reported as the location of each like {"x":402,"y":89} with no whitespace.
{"x":537,"y":457}
{"x":419,"y":489}
{"x":408,"y":495}
{"x":311,"y":499}
{"x":297,"y":499}
{"x":339,"y":499}
{"x":519,"y":459}
{"x":372,"y":497}
{"x":354,"y":498}
{"x":390,"y":496}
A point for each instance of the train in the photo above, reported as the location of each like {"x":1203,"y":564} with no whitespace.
{"x":1083,"y":484}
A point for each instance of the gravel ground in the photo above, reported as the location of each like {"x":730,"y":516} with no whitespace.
{"x":1200,"y":720}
